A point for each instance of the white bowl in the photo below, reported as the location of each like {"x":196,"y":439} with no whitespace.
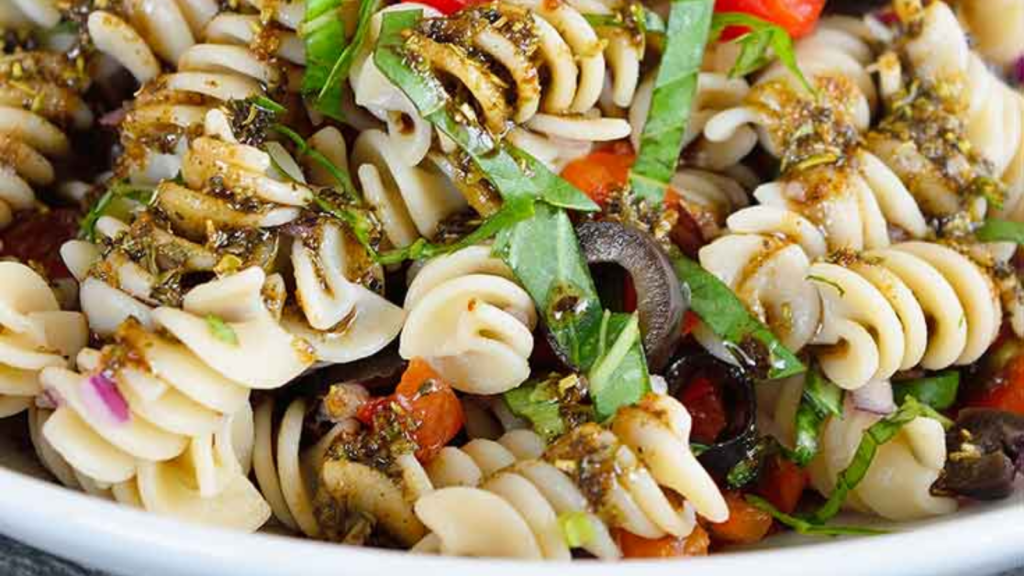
{"x":980,"y":539}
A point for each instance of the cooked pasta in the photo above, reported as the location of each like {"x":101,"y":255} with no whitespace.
{"x":34,"y":334}
{"x":515,"y":510}
{"x":515,"y":279}
{"x":40,"y":102}
{"x":471,"y":321}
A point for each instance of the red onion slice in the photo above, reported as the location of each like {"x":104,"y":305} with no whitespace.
{"x":1018,"y":70}
{"x":875,"y":397}
{"x":101,"y":395}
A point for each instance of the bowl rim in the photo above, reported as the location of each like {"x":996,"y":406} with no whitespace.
{"x":107,"y":535}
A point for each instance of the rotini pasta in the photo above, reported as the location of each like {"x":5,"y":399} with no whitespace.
{"x":515,"y":510}
{"x":997,"y":28}
{"x":34,"y":334}
{"x":40,"y":100}
{"x":471,"y":321}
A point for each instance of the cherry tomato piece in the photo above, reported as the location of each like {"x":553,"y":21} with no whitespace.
{"x":782,"y":483}
{"x":798,"y":17}
{"x":704,"y":401}
{"x":447,"y":7}
{"x":746,"y":524}
{"x":1007,"y":393}
{"x":600,"y":173}
{"x":38,"y":237}
{"x":633,"y":546}
{"x":434,"y":407}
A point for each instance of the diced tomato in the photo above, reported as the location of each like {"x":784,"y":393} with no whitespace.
{"x":38,"y":237}
{"x":690,"y":321}
{"x":704,"y":401}
{"x":447,"y":7}
{"x":600,"y":173}
{"x":433,"y":408}
{"x":782,"y":483}
{"x":746,"y":524}
{"x":633,"y":546}
{"x":1008,"y":391}
{"x":798,"y":17}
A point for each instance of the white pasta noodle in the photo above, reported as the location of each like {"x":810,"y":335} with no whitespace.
{"x":34,"y":334}
{"x":23,"y":13}
{"x":471,"y":321}
{"x":40,"y":101}
{"x":287,"y":475}
{"x":709,"y":197}
{"x":993,"y":111}
{"x":911,"y":304}
{"x":177,"y":421}
{"x":835,"y":59}
{"x":504,"y":497}
{"x":997,"y":27}
{"x":898,"y":482}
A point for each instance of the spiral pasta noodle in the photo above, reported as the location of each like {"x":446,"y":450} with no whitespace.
{"x":834,"y":59}
{"x":993,"y":112}
{"x":15,"y":14}
{"x":471,"y":321}
{"x":40,"y":101}
{"x":34,"y":334}
{"x":514,"y":511}
{"x":159,"y":412}
{"x":996,"y":27}
{"x":898,"y":482}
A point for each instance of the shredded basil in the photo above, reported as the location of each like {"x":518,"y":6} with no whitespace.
{"x":622,"y":362}
{"x":329,"y":58}
{"x":539,"y":405}
{"x":821,"y":399}
{"x":723,"y":312}
{"x":802,"y":526}
{"x":675,"y":87}
{"x":755,"y":45}
{"x":221,"y":330}
{"x":938,"y":390}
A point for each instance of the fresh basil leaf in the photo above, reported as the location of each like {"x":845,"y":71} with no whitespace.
{"x":723,"y":312}
{"x":807,"y":528}
{"x":328,"y":99}
{"x":545,"y":256}
{"x":268,"y":104}
{"x":221,"y":330}
{"x":754,"y":44}
{"x":324,"y":33}
{"x":1001,"y":231}
{"x":938,"y":390}
{"x":619,"y":377}
{"x":821,"y":399}
{"x":543,"y":411}
{"x":675,"y":87}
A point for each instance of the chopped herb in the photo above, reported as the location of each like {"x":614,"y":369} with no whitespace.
{"x":329,"y":57}
{"x":540,"y":406}
{"x":938,"y":390}
{"x":113,"y":202}
{"x":675,"y":87}
{"x":821,"y":399}
{"x":754,"y":45}
{"x":802,"y":526}
{"x":269,"y":105}
{"x":1001,"y":231}
{"x":619,"y":377}
{"x":221,"y":330}
{"x":577,"y":528}
{"x":723,"y":312}
{"x":303,"y":149}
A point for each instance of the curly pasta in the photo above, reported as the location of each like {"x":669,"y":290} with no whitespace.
{"x":40,"y":101}
{"x":161,"y":411}
{"x":834,"y":59}
{"x":34,"y":334}
{"x":514,"y":511}
{"x":996,"y":27}
{"x":471,"y":321}
{"x":16,"y":14}
{"x":898,"y":482}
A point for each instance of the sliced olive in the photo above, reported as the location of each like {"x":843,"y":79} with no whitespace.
{"x":661,"y":300}
{"x":381,"y":371}
{"x":985,"y":452}
{"x":735,"y":442}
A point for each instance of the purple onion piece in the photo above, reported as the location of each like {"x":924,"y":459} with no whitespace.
{"x":875,"y":397}
{"x":1018,"y":70}
{"x":110,"y":397}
